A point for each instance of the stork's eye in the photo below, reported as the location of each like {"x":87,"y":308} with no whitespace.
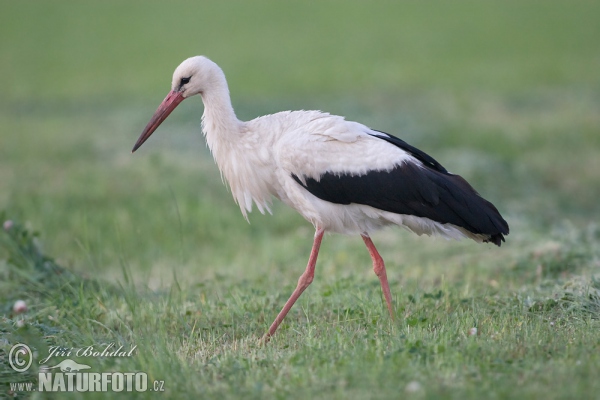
{"x":185,"y":80}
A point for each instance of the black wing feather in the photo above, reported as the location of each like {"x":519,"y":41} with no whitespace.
{"x":426,"y":190}
{"x":416,"y":153}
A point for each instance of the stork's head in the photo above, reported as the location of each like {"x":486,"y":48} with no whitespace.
{"x":193,"y":76}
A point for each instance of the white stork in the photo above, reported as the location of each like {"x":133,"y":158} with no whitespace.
{"x":341,"y":176}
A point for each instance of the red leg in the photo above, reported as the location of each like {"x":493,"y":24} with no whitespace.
{"x":305,"y":280}
{"x":379,"y":268}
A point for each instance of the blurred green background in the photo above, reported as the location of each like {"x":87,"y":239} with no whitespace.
{"x":506,"y":94}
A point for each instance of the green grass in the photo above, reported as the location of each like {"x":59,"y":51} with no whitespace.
{"x":150,"y":249}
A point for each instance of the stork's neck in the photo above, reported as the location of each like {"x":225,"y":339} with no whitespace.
{"x":225,"y":136}
{"x":219,"y":123}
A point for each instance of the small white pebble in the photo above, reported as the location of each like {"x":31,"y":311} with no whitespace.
{"x":413,"y":387}
{"x":473,"y":332}
{"x":20,"y":307}
{"x":7,"y":225}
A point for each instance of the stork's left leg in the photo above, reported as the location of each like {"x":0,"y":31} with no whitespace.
{"x":379,"y":268}
{"x":305,"y":279}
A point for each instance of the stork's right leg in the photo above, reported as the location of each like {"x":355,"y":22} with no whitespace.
{"x":305,"y":280}
{"x":379,"y":268}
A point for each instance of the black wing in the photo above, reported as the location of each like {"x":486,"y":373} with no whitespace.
{"x":412,"y":189}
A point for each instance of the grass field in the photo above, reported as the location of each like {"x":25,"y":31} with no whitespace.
{"x":150,"y":250}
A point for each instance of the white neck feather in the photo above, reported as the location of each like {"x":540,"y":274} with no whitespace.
{"x":225,"y":136}
{"x":219,"y":123}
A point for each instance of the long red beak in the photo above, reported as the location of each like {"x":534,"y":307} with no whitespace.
{"x":166,"y":107}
